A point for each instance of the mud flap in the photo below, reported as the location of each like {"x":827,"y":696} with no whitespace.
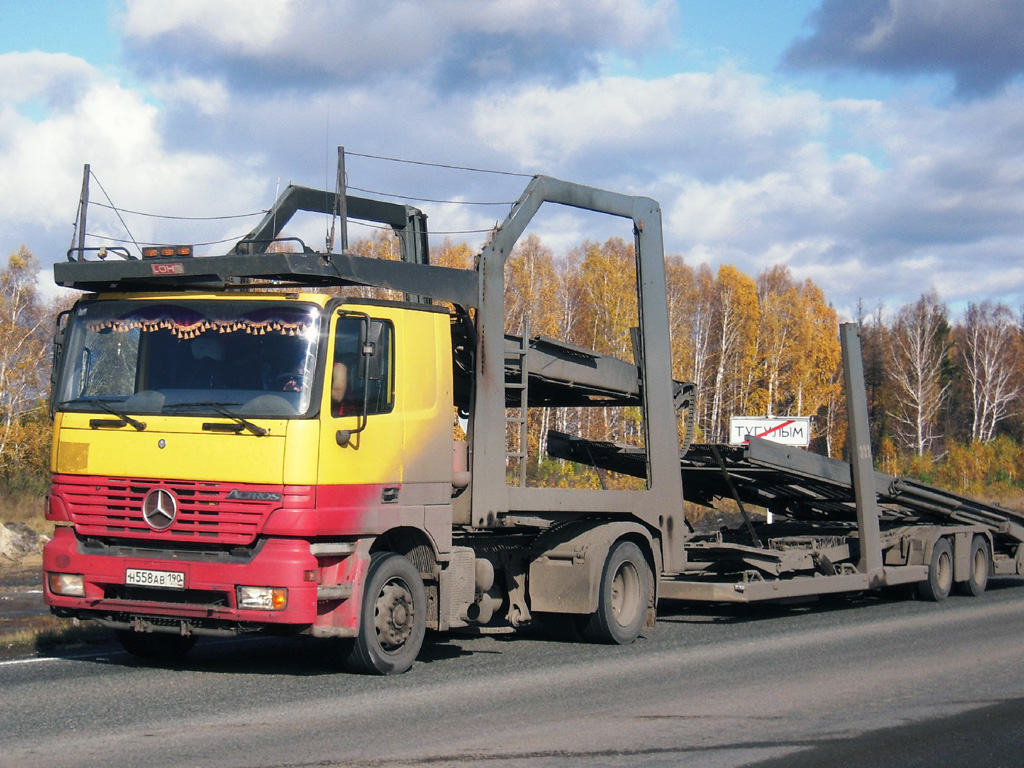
{"x":565,"y":572}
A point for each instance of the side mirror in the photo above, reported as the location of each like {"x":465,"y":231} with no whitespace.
{"x":371,"y":358}
{"x":59,"y":338}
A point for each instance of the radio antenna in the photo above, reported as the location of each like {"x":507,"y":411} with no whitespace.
{"x":340,"y":206}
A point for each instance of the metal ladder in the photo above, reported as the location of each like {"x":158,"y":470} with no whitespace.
{"x":519,"y":420}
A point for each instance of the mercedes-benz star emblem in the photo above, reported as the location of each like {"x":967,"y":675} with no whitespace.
{"x":159,"y":509}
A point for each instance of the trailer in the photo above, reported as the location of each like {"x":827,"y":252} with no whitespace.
{"x":237,"y":451}
{"x":835,"y":527}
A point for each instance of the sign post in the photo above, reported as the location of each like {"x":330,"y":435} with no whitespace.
{"x":787,"y":430}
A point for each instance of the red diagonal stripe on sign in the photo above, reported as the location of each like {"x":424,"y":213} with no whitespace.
{"x":777,"y":426}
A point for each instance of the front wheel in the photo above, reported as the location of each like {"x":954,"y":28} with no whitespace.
{"x":393,"y":619}
{"x":623,"y":598}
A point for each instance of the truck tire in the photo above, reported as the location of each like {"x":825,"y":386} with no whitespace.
{"x":155,"y":646}
{"x":622,"y":600}
{"x":393,"y":620}
{"x":937,"y":586}
{"x":979,"y":568}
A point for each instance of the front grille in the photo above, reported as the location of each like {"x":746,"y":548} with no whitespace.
{"x":199,"y":597}
{"x":112,"y":508}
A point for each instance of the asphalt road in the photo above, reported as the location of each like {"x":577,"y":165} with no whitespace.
{"x":854,"y":683}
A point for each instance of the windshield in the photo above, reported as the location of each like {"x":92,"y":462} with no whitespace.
{"x":252,"y":358}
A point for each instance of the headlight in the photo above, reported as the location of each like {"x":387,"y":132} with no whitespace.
{"x":66,"y":584}
{"x":262,"y":598}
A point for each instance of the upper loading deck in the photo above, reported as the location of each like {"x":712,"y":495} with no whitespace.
{"x":796,"y":484}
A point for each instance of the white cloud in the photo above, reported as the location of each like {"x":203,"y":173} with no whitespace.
{"x":192,"y":94}
{"x":626,"y":23}
{"x":51,"y":78}
{"x":116,"y":131}
{"x":694,"y":114}
{"x":932,"y":187}
{"x":311,"y":45}
{"x":261,"y":28}
{"x":979,"y":42}
{"x":872,"y":199}
{"x":242,"y":25}
{"x":49,"y":292}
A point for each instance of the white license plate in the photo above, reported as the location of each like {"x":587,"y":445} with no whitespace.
{"x":138,"y":577}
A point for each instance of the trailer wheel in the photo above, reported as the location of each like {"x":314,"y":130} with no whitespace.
{"x":940,"y":573}
{"x":393,"y":619}
{"x":154,"y":645}
{"x":622,"y":600}
{"x":980,"y":568}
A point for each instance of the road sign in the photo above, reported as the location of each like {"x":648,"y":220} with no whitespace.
{"x":787,"y":430}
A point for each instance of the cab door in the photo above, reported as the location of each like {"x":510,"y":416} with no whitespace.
{"x":361,"y":456}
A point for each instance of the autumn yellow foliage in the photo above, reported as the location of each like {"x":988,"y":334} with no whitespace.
{"x":764,"y":345}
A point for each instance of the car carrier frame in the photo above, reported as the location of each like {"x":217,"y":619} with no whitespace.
{"x":491,"y":552}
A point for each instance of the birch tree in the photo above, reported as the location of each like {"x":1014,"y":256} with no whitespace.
{"x":988,"y":349}
{"x":531,"y":310}
{"x":778,"y":338}
{"x":451,"y":254}
{"x":701,"y":320}
{"x":735,"y":320}
{"x":816,"y":357}
{"x":608,"y":312}
{"x":530,"y":289}
{"x":24,"y":360}
{"x":919,"y":347}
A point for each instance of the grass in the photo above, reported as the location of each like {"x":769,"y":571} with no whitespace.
{"x":27,"y":508}
{"x":42,"y":634}
{"x":48,"y":634}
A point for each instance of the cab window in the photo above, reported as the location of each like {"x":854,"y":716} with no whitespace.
{"x":363,"y":366}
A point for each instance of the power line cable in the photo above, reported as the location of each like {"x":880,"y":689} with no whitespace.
{"x":182,"y":218}
{"x":430,"y":199}
{"x":122,"y":240}
{"x":114,"y":208}
{"x":388,"y":228}
{"x":439,"y":165}
{"x":118,"y":211}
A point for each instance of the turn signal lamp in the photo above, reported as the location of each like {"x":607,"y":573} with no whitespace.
{"x":262,"y":598}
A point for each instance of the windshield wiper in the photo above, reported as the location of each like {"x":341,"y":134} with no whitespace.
{"x":123,"y":419}
{"x":213,"y":426}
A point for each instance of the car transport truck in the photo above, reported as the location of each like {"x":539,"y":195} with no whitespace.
{"x":238,"y":450}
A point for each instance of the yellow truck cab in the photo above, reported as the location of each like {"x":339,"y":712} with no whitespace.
{"x":229,"y":459}
{"x":235,"y":451}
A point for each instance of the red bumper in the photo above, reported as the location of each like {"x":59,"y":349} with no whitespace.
{"x":209,"y":595}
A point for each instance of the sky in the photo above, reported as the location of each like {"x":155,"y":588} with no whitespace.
{"x":874,"y":147}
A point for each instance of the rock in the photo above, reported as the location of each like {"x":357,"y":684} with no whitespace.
{"x":17,"y":541}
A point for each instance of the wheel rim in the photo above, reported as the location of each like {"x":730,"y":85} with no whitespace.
{"x":944,"y":574}
{"x":625,"y":600}
{"x":980,"y":565}
{"x":394,"y":615}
